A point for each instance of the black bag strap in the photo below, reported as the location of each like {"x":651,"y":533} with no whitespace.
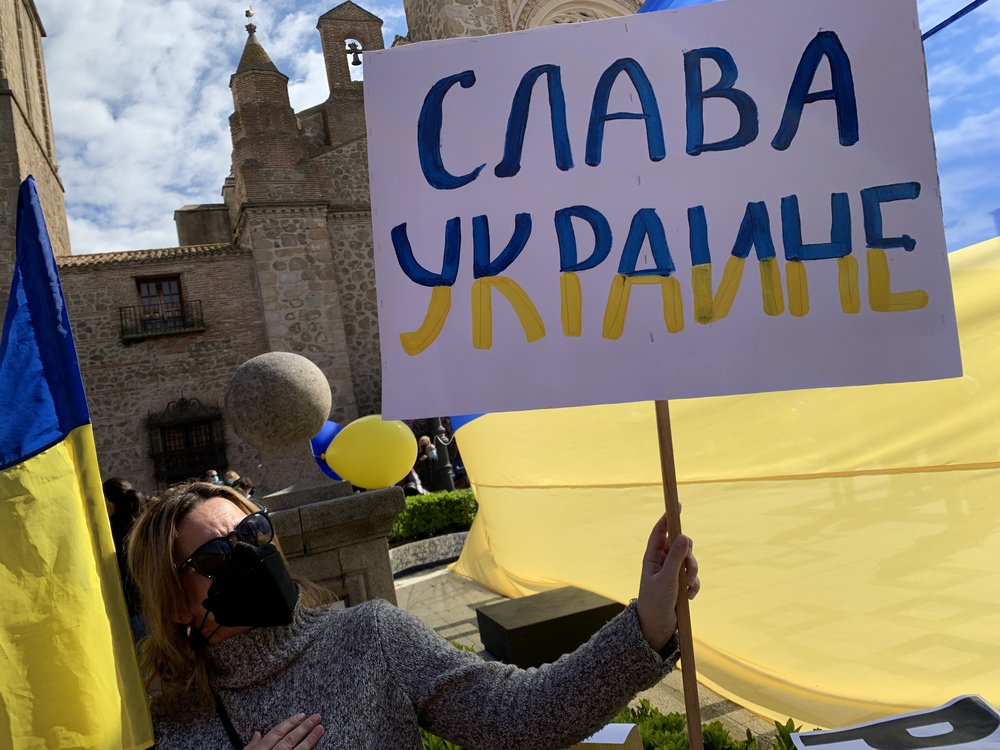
{"x":234,"y":738}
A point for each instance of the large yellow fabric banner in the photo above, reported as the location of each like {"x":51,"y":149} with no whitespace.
{"x":847,"y":537}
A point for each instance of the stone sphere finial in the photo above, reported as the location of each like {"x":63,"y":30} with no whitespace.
{"x":278,"y":399}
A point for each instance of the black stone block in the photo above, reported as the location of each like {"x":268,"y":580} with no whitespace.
{"x":538,"y":629}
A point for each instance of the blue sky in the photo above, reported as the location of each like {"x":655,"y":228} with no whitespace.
{"x":140,"y":106}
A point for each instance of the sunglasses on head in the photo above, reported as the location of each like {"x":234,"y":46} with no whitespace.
{"x":213,"y":557}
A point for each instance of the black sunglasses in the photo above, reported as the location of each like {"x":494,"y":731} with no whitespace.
{"x":213,"y":557}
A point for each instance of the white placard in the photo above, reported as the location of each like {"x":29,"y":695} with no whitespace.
{"x":730,"y":198}
{"x":618,"y":736}
{"x":965,"y":723}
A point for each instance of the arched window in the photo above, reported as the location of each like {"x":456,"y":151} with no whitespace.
{"x":186,"y":439}
{"x":355,"y":59}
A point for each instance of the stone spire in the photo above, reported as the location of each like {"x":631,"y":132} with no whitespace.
{"x":254,"y":56}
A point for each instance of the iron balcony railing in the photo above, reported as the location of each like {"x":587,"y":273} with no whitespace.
{"x":156,"y":320}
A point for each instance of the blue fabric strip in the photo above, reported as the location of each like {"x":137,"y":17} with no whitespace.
{"x":461,"y":420}
{"x":41,"y":389}
{"x":651,"y":5}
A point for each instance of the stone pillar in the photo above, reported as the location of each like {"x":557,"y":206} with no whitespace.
{"x":339,"y":542}
{"x":334,"y":537}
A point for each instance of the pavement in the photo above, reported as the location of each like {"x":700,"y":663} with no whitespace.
{"x":447,"y":603}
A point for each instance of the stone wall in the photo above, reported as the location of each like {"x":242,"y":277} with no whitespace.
{"x":530,"y":14}
{"x":21,"y":54}
{"x":313,"y":124}
{"x":345,"y":114}
{"x":26,"y":142}
{"x":21,"y":155}
{"x":446,"y":19}
{"x":354,"y":266}
{"x":127,"y":382}
{"x":348,"y":169}
{"x":25,"y":75}
{"x":34,"y":160}
{"x":10,"y":177}
{"x":205,"y":224}
{"x":303,"y":311}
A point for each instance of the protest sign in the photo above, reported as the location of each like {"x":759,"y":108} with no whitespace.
{"x":732,"y":198}
{"x":966,"y":723}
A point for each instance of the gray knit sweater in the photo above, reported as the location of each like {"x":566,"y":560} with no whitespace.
{"x":374,"y":673}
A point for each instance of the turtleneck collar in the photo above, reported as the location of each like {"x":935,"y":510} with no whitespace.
{"x":259,"y":654}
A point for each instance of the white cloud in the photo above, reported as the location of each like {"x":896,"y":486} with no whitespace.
{"x":964,"y":79}
{"x":139,"y":106}
{"x":310,"y":86}
{"x":974,"y":135}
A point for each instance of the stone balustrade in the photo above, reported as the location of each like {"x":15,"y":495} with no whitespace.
{"x":337,"y":538}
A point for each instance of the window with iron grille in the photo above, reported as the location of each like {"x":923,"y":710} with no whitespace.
{"x":162,"y":310}
{"x":160,"y":300}
{"x":187,"y":439}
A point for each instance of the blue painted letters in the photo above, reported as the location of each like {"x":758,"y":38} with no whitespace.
{"x":840,"y":230}
{"x":871,"y":203}
{"x":417,"y":273}
{"x":696,"y":96}
{"x":518,"y":121}
{"x":824,"y":44}
{"x":645,"y":224}
{"x":599,"y":111}
{"x":429,"y":135}
{"x":566,"y":237}
{"x":481,"y":263}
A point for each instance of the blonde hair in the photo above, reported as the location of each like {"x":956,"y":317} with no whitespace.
{"x":172,"y":669}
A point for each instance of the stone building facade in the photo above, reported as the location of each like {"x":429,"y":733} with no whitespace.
{"x":26,"y":141}
{"x":283,"y":263}
{"x":155,"y":385}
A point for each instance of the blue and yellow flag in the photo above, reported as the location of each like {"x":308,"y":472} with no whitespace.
{"x":651,"y":5}
{"x":68,"y":672}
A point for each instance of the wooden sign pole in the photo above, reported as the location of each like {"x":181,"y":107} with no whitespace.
{"x":688,"y":673}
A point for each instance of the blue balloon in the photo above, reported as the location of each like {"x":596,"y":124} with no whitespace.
{"x":319,"y":445}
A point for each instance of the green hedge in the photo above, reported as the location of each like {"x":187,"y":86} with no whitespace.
{"x":666,"y":732}
{"x":432,"y":515}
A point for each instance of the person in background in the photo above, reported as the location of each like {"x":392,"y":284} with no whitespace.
{"x":123,"y":503}
{"x":212,"y":476}
{"x":242,"y":655}
{"x":231,"y":477}
{"x":411,"y":484}
{"x":242,"y":484}
{"x":427,"y":448}
{"x":427,"y":464}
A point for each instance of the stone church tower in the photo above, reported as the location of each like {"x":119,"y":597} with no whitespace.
{"x":26,"y":142}
{"x":281,"y":200}
{"x":284,"y":263}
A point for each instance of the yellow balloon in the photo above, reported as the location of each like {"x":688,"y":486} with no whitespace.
{"x":373,"y":453}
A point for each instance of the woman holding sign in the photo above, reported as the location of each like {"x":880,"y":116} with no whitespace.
{"x":241,"y":655}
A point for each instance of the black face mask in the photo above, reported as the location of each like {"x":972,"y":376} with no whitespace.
{"x":255,"y":591}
